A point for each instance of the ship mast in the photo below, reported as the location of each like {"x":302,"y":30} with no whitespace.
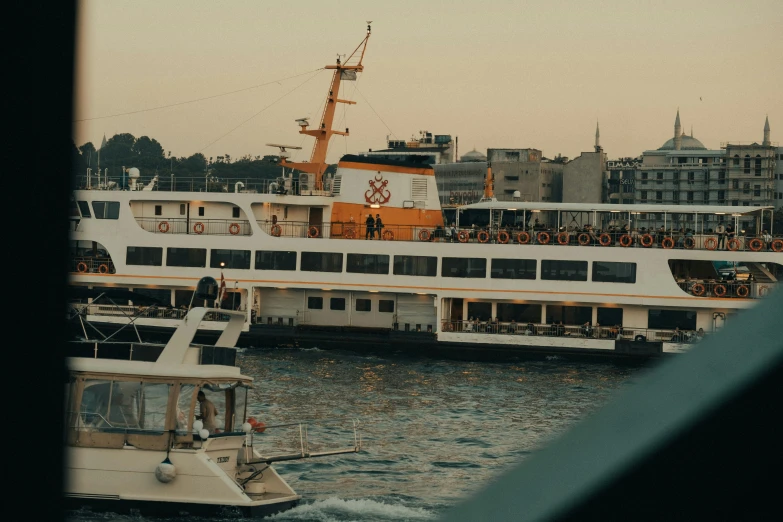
{"x":342,"y":71}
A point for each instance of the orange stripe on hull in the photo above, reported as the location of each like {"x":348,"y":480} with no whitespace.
{"x":386,"y":168}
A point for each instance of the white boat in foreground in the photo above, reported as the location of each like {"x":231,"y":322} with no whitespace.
{"x":135,"y":441}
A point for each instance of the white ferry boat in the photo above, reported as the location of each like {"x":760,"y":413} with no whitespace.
{"x":491,"y":279}
{"x":140,"y":437}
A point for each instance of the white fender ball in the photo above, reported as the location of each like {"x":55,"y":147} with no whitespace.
{"x":204,"y":434}
{"x":166,"y":471}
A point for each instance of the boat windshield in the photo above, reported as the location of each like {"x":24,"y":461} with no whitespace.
{"x":124,"y":404}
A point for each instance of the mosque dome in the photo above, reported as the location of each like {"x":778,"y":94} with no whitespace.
{"x":473,"y":155}
{"x":688,"y":143}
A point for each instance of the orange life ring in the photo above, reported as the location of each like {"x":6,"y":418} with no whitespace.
{"x":743,"y":291}
{"x":81,"y":267}
{"x":350,"y":233}
{"x":719,"y":290}
{"x":543,"y":238}
{"x":689,"y":243}
{"x":483,"y":236}
{"x":667,"y":242}
{"x":584,"y":239}
{"x":626,"y":240}
{"x":523,"y":238}
{"x":756,"y":244}
{"x":503,"y":237}
{"x":733,"y":244}
{"x":313,"y":231}
{"x":276,"y":230}
{"x":463,"y":236}
{"x":698,"y":289}
{"x":257,"y":426}
{"x":163,"y":226}
{"x":103,"y":269}
{"x":388,"y":235}
{"x":424,"y":235}
{"x":646,"y":241}
{"x":777,"y":245}
{"x":562,"y":238}
{"x":233,"y":228}
{"x":710,"y":243}
{"x":198,"y":228}
{"x":605,"y":239}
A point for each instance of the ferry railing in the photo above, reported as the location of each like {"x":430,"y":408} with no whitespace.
{"x":88,"y":264}
{"x":351,"y":230}
{"x":570,"y":331}
{"x":729,"y":289}
{"x":137,"y":312}
{"x":196,"y":226}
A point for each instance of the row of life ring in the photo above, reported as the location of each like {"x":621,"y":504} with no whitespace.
{"x":81,"y":267}
{"x":198,"y":228}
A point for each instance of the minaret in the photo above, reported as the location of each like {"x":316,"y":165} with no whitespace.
{"x":677,"y":132}
{"x":597,"y":138}
{"x":766,"y":141}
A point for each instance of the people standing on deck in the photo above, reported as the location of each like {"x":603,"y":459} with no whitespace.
{"x":378,"y":225}
{"x":721,"y":231}
{"x":767,"y":238}
{"x":370,"y":222}
{"x":453,"y":232}
{"x":729,"y":234}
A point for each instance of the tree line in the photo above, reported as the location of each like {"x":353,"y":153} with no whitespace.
{"x":149,"y":156}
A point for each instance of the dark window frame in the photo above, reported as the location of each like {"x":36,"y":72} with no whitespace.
{"x":559,"y":271}
{"x":600,"y":276}
{"x":475,"y":267}
{"x":275,"y":260}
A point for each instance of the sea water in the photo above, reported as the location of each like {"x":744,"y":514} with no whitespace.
{"x":432,"y":431}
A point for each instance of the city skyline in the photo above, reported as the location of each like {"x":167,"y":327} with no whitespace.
{"x":495,"y":76}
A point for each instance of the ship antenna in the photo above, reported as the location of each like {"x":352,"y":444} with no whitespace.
{"x":342,"y":71}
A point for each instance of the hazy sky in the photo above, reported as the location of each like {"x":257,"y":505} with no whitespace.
{"x":496,"y":74}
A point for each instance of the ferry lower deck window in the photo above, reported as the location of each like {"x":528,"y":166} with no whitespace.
{"x":386,"y":306}
{"x":160,"y":294}
{"x":200,"y":211}
{"x":464,"y":267}
{"x":337,"y":303}
{"x":521,"y":313}
{"x":416,"y":266}
{"x":106,"y":209}
{"x":84,"y":209}
{"x":570,"y":315}
{"x":322,"y":262}
{"x":144,"y":256}
{"x":158,"y":210}
{"x":192,"y":257}
{"x":611,"y":272}
{"x":671,"y":319}
{"x":315,"y":303}
{"x":230,"y":258}
{"x":367,"y":264}
{"x":363,"y":305}
{"x":552,"y":270}
{"x":513,"y":269}
{"x":235,"y":212}
{"x":275,"y":260}
{"x":610,"y":316}
{"x":480,"y":311}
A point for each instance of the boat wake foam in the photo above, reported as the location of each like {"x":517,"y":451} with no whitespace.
{"x":339,"y":510}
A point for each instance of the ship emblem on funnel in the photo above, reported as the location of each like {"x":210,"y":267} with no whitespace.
{"x":378,"y":194}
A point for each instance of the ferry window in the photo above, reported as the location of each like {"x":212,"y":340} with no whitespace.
{"x":367,"y":264}
{"x":521,"y":313}
{"x":193,"y":257}
{"x":145,"y":256}
{"x":84,"y":208}
{"x":182,"y":209}
{"x":322,"y":262}
{"x":235,"y":212}
{"x":415,"y":265}
{"x":200,"y":211}
{"x":386,"y":306}
{"x":160,"y":294}
{"x":337,"y":303}
{"x":275,"y":260}
{"x":513,"y":269}
{"x":552,"y":270}
{"x":610,"y":316}
{"x":158,"y":210}
{"x":611,"y":272}
{"x":231,"y":258}
{"x":480,"y":311}
{"x":315,"y":303}
{"x":363,"y":305}
{"x":572,"y":315}
{"x":671,"y":319}
{"x":106,"y":209}
{"x":464,"y":267}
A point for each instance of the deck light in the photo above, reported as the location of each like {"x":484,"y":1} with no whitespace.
{"x":375,"y":205}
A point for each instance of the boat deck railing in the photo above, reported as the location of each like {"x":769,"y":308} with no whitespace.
{"x":136,"y":311}
{"x":571,"y":331}
{"x":741,"y":289}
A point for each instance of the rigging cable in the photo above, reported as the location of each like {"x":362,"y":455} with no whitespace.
{"x":262,"y":110}
{"x":373,"y":110}
{"x":197,"y":99}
